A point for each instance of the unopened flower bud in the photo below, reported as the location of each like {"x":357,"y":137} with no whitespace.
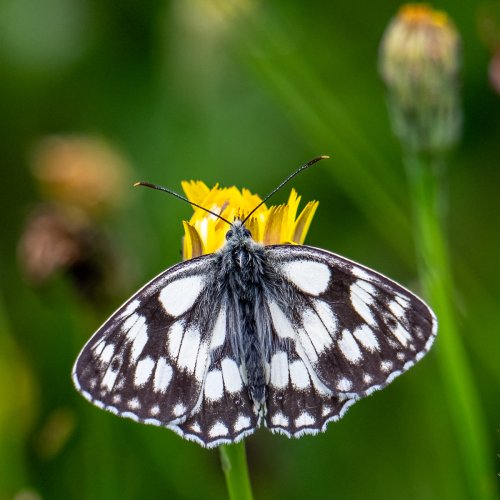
{"x":419,"y":62}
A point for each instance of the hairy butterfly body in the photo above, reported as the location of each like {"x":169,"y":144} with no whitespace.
{"x":286,"y":336}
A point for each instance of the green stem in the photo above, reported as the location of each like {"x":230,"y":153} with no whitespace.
{"x":234,"y":464}
{"x":435,"y":273}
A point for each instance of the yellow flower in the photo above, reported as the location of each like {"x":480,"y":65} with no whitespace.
{"x":205,"y":233}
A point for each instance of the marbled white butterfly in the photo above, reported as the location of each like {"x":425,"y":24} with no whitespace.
{"x":285,"y":336}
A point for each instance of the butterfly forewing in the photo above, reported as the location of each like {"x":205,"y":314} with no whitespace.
{"x":355,"y":328}
{"x":149,"y":360}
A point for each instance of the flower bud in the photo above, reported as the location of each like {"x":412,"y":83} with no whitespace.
{"x":83,"y":179}
{"x":419,"y":62}
{"x":81,"y":172}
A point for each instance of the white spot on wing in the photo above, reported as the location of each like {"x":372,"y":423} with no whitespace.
{"x":201,"y":362}
{"x":279,"y":370}
{"x":318,"y":385}
{"x":98,"y":347}
{"x":283,"y":327}
{"x":306,"y":343}
{"x":137,"y":333}
{"x":107,"y":353}
{"x":139,"y":343}
{"x":179,"y":295}
{"x":280,"y":420}
{"x":231,"y":375}
{"x":163,"y":375}
{"x":403,"y":301}
{"x":130,"y":309}
{"x":349,"y":347}
{"x":219,"y":332}
{"x":304,"y":419}
{"x":218,"y":429}
{"x":154,"y":410}
{"x":174,"y":336}
{"x":326,"y":315}
{"x":213,"y":385}
{"x":241,"y":423}
{"x":143,"y":371}
{"x":189,"y":349}
{"x":401,"y":334}
{"x":360,"y":273}
{"x":396,"y":309}
{"x":366,"y":337}
{"x":317,"y":332}
{"x":310,"y":276}
{"x":108,"y":381}
{"x":344,"y":384}
{"x":134,"y":404}
{"x":367,"y":287}
{"x":299,"y":375}
{"x":325,"y":410}
{"x":179,"y":409}
{"x":361,"y":301}
{"x":386,"y":366}
{"x":128,"y":325}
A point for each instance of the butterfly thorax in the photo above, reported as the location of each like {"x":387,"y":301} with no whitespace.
{"x":242,"y":263}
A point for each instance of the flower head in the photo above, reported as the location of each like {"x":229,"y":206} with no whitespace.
{"x":80,"y":172}
{"x":205,"y":233}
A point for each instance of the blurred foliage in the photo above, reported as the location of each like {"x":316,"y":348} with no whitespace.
{"x":239,"y":93}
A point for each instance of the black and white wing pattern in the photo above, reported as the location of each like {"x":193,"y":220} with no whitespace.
{"x":162,"y":359}
{"x":226,"y":412}
{"x":328,"y":331}
{"x":341,"y":331}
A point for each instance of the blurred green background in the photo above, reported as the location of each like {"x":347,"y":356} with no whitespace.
{"x":240,"y":93}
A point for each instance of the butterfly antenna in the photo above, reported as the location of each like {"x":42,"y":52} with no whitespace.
{"x":289,"y":178}
{"x":173,"y":193}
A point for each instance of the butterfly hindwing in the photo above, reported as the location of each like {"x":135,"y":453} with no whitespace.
{"x":298,"y":402}
{"x":149,"y":360}
{"x":226,"y":413}
{"x":356,"y":329}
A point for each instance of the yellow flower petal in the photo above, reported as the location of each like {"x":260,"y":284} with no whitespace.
{"x":270,"y":226}
{"x":275,"y":228}
{"x":303,"y":222}
{"x":196,"y":191}
{"x":293,"y":206}
{"x":254,"y":226}
{"x":192,"y":246}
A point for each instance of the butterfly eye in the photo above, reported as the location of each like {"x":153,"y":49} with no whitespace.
{"x":229,"y":234}
{"x":248,"y":233}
